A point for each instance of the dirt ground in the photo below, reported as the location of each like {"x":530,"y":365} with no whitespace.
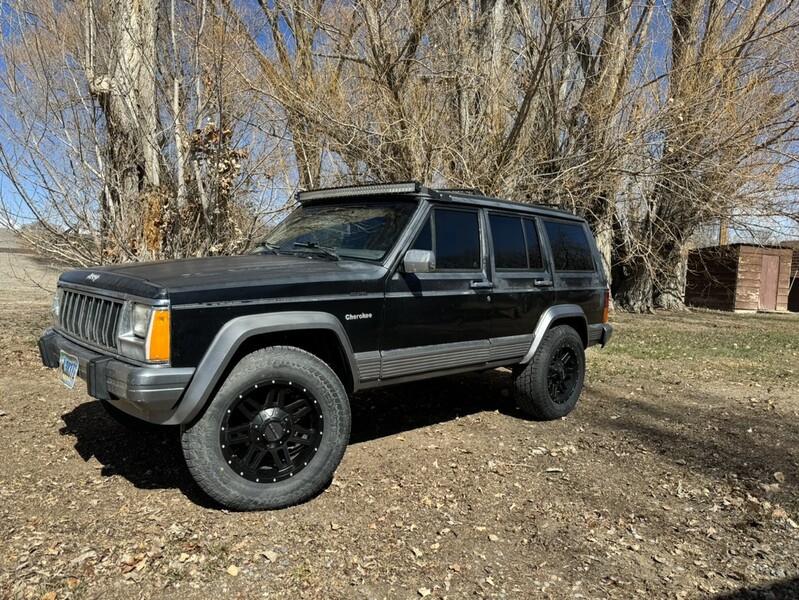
{"x":676,"y":477}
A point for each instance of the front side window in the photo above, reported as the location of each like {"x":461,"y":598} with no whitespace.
{"x":349,"y":230}
{"x":454,"y":237}
{"x":570,"y":248}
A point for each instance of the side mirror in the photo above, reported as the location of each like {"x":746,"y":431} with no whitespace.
{"x":419,"y":261}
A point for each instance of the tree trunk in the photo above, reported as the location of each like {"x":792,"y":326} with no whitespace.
{"x":126,"y":94}
{"x":633,"y":285}
{"x":669,"y":292}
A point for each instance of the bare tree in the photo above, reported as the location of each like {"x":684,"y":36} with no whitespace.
{"x":125,"y":130}
{"x":652,"y":120}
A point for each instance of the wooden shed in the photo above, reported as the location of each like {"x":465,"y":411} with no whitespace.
{"x":739,"y":277}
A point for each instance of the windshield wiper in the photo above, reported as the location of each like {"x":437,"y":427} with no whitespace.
{"x":271,"y":247}
{"x":326,"y":250}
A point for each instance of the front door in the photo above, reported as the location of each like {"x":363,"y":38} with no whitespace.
{"x":440,"y":320}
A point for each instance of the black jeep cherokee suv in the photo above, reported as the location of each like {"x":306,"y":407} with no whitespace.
{"x":254,"y":356}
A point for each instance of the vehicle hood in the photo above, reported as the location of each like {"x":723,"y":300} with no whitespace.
{"x":230,"y":278}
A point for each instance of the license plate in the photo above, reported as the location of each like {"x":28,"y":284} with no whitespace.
{"x":68,"y":366}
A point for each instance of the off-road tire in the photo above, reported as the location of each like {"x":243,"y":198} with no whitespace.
{"x":277,"y":370}
{"x":533,"y":384}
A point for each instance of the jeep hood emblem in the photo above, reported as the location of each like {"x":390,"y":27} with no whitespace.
{"x":92,"y":277}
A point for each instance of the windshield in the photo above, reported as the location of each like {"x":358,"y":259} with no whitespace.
{"x":362,"y":231}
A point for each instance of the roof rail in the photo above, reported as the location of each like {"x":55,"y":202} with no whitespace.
{"x":470,"y":191}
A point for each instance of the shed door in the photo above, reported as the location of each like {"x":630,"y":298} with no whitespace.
{"x":769,"y":279}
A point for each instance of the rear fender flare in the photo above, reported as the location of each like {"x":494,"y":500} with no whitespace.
{"x":549,"y":316}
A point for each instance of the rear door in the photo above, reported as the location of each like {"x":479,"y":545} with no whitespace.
{"x":578,"y":272}
{"x":523,"y":283}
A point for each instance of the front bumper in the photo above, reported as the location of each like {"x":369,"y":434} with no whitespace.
{"x":137,"y":389}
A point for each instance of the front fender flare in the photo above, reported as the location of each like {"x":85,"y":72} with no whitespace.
{"x":232,"y":335}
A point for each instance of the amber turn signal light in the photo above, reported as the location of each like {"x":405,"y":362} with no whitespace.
{"x":158,"y":340}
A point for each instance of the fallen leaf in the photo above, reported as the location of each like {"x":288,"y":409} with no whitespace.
{"x":233,"y":570}
{"x":553,"y":470}
{"x":416,"y":552}
{"x":85,"y":556}
{"x":456,"y":567}
{"x":424,"y":592}
{"x":335,"y":526}
{"x":779,"y":476}
{"x":49,"y":595}
{"x":270,"y":555}
{"x":493,"y":538}
{"x":779,"y":513}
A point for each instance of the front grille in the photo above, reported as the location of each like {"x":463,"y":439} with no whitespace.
{"x":91,"y":318}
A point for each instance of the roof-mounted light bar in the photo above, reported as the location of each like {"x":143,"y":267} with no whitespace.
{"x":410,"y":187}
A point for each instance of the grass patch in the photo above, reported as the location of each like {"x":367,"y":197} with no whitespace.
{"x":765,"y":345}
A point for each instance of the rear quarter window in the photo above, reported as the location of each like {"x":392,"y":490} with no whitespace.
{"x":571,"y":250}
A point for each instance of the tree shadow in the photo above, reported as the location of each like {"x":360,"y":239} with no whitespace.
{"x":785,"y":589}
{"x":751,"y":445}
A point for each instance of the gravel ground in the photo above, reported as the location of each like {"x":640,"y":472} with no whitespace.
{"x":675,"y":477}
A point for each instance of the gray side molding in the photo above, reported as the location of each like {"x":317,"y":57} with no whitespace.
{"x":547,"y":317}
{"x":232,"y":335}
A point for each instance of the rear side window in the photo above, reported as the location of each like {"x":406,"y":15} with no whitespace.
{"x":515,"y":243}
{"x":570,"y":248}
{"x":454,"y":236}
{"x":510,"y":251}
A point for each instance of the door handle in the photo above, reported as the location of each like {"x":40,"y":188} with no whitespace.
{"x":482,"y":285}
{"x":542,"y":282}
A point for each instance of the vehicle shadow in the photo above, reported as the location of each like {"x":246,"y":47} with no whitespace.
{"x":396,"y":409}
{"x":153,"y":459}
{"x":150,"y":459}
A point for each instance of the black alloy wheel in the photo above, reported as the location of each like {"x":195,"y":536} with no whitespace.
{"x":564,"y":371}
{"x":272,"y":431}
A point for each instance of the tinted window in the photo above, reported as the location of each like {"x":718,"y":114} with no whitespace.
{"x":424,"y":241}
{"x":508,"y":238}
{"x":570,"y":249}
{"x":533,"y":247}
{"x":457,"y":240}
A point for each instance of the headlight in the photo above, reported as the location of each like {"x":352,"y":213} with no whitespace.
{"x":140,"y":319}
{"x":56,"y":308}
{"x":144,"y":332}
